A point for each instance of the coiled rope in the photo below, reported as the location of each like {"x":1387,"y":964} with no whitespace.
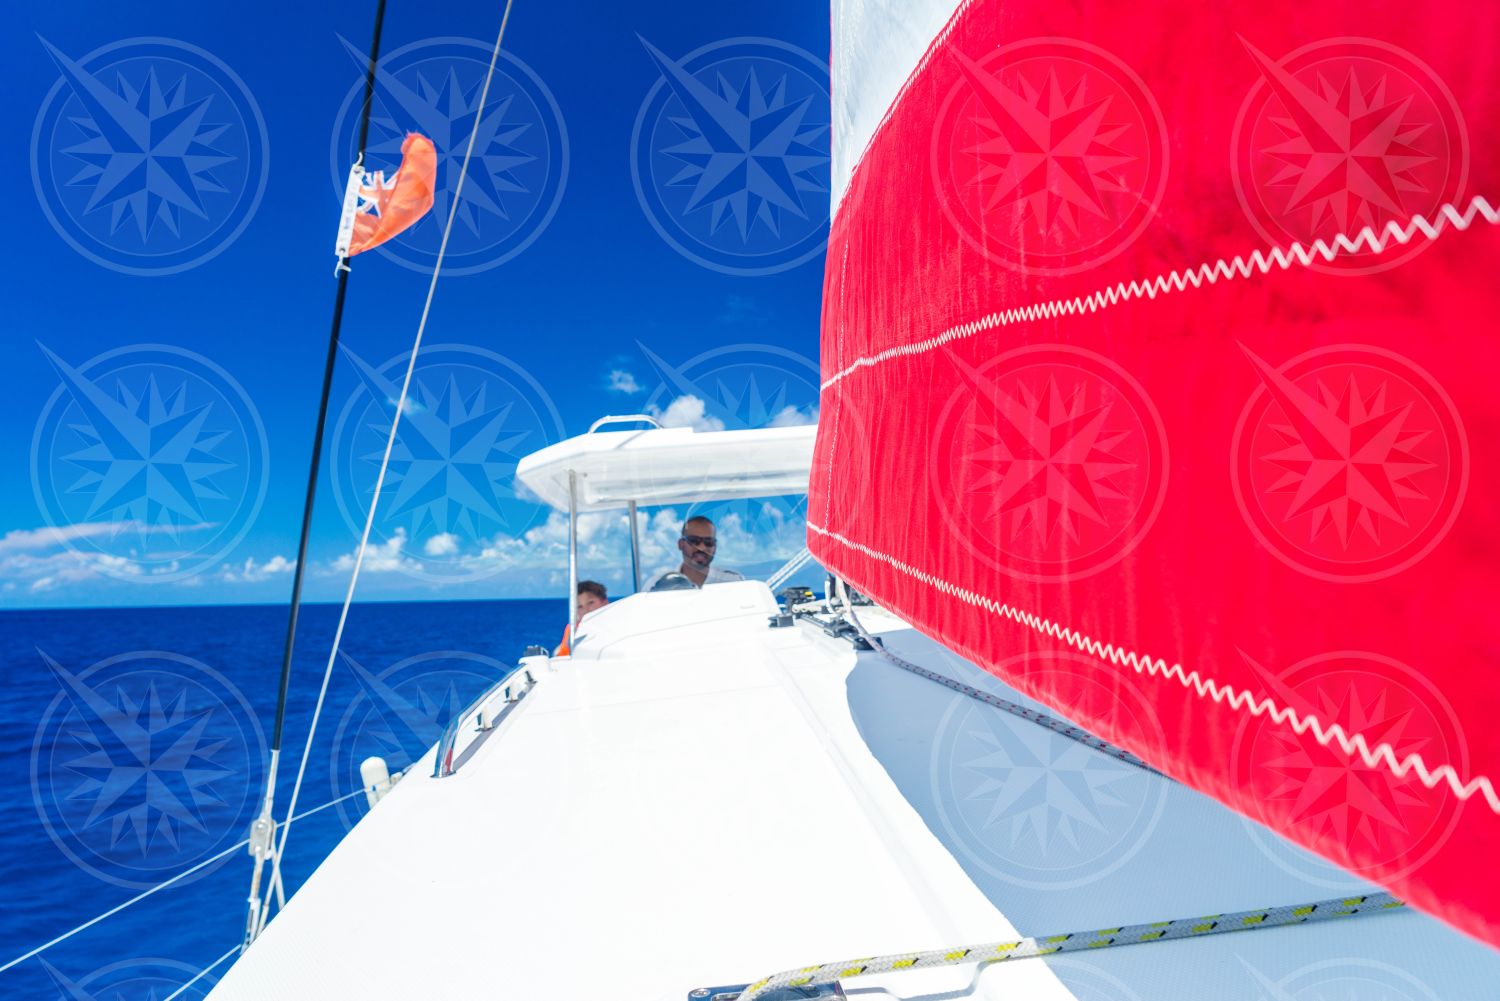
{"x":390,"y":444}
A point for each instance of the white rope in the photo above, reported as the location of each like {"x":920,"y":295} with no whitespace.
{"x":203,"y":972}
{"x":390,"y":443}
{"x":788,"y":568}
{"x":163,"y":885}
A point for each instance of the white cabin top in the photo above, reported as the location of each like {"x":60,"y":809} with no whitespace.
{"x":671,"y":466}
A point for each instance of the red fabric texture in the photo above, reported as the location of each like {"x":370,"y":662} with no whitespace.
{"x":1264,"y":503}
{"x":399,"y":202}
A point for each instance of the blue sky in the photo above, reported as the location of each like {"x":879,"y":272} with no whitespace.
{"x":613,"y":252}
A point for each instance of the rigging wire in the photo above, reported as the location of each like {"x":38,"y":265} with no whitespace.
{"x":1058,"y":726}
{"x":175,"y":879}
{"x":264,"y":830}
{"x":1032,"y":947}
{"x":390,"y":442}
{"x":201,"y":974}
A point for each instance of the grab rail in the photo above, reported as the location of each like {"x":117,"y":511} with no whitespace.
{"x":623,"y":419}
{"x":510,"y":689}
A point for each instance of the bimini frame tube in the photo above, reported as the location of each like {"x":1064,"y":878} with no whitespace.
{"x":635,"y":547}
{"x":572,"y":553}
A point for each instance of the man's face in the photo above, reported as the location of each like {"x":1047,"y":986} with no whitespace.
{"x":698,"y":544}
{"x":587,"y":602}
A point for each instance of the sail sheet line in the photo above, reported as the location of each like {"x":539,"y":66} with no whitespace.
{"x":1260,"y":262}
{"x":1382,"y":755}
{"x":1079,"y":941}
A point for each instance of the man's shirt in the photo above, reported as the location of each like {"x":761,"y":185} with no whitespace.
{"x":716,"y":575}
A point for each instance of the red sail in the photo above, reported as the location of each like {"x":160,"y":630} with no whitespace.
{"x":1165,"y":334}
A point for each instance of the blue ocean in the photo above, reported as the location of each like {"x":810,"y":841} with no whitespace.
{"x":135,"y":747}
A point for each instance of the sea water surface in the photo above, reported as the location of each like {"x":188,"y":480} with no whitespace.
{"x":134,"y":747}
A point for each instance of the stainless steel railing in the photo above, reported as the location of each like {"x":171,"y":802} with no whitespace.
{"x":485,"y":713}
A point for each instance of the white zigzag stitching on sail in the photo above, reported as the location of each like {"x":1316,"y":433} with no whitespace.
{"x":1382,"y":755}
{"x":1259,"y":262}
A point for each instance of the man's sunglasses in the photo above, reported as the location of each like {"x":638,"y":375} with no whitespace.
{"x":706,"y":541}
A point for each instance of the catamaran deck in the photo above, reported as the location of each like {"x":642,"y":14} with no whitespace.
{"x":697,"y":799}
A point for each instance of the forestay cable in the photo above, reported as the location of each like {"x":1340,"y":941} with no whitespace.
{"x":390,"y":443}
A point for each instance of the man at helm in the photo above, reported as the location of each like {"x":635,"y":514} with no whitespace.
{"x":698,"y":546}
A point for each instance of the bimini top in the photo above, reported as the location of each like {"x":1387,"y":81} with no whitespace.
{"x":671,"y":466}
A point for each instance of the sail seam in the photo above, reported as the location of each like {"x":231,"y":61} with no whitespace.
{"x":1238,"y":267}
{"x":1382,"y":755}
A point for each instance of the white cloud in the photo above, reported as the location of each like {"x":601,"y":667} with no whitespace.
{"x":46,"y":573}
{"x":442,"y":544}
{"x":621,"y":381}
{"x":384,"y":557}
{"x":53,"y":536}
{"x":687,"y":412}
{"x":788,"y":417}
{"x":251,"y":571}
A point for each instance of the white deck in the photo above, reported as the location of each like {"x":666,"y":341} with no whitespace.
{"x":685,"y":803}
